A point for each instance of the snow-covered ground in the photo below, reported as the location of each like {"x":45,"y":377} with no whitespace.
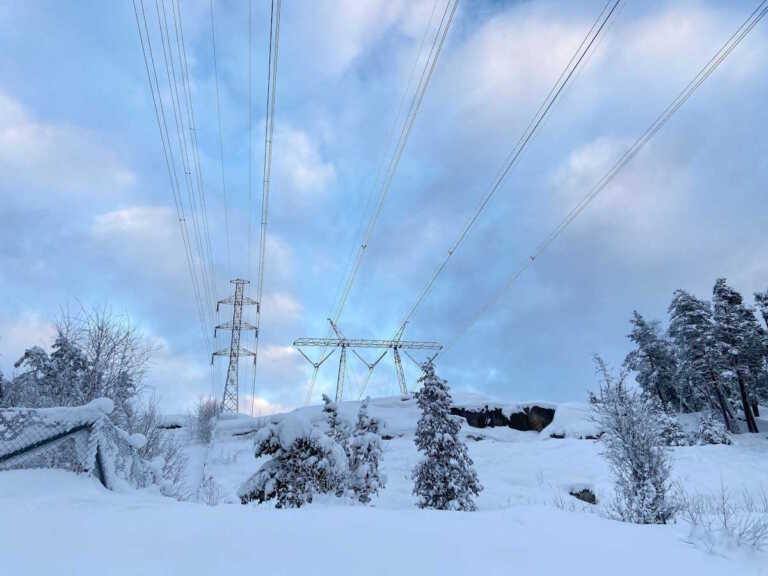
{"x":57,"y":522}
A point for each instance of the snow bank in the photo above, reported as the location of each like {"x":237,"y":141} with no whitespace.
{"x":572,"y":420}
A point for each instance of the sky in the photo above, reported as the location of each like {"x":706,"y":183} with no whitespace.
{"x":87,"y":213}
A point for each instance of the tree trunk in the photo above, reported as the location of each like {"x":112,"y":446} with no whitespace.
{"x":751,"y":424}
{"x":721,"y":402}
{"x":755,"y":409}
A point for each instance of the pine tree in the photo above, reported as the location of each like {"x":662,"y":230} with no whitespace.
{"x":733,"y":335}
{"x":761,"y":301}
{"x":691,"y":330}
{"x":67,"y":373}
{"x":653,"y":360}
{"x":445,"y":479}
{"x":304,"y":462}
{"x":711,"y":431}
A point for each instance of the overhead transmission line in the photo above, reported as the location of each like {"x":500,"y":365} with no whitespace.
{"x":541,"y":113}
{"x":269,"y":128}
{"x":704,"y":73}
{"x":421,"y":88}
{"x":221,"y":139}
{"x":170,"y":162}
{"x":181,"y":103}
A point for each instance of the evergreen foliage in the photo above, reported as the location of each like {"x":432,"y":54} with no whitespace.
{"x":736,"y":334}
{"x":365,"y":479}
{"x":304,"y":462}
{"x":445,"y":479}
{"x":653,"y":360}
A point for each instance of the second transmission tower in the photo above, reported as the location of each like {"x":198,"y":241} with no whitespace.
{"x":230,"y":402}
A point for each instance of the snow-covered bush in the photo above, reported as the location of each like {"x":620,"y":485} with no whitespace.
{"x":209,"y":492}
{"x":635,"y":449}
{"x":445,"y":479}
{"x":724,"y":520}
{"x":364,"y":449}
{"x":669,"y":427}
{"x":206,"y":411}
{"x":712,"y":431}
{"x":304,"y":462}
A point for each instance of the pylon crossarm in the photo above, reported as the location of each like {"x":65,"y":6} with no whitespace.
{"x":419,"y":364}
{"x":316,"y":365}
{"x":361,"y":343}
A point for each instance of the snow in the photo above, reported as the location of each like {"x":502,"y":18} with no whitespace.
{"x":519,"y":525}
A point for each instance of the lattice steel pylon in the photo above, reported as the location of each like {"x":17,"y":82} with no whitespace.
{"x":342,"y":342}
{"x":230,"y":402}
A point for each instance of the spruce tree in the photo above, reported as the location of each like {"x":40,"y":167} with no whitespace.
{"x":691,"y":330}
{"x":653,"y":360}
{"x":733,"y":335}
{"x":365,"y":479}
{"x":337,"y":427}
{"x":304,"y":462}
{"x":445,"y":479}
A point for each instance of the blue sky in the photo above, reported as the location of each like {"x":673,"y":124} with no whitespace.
{"x":86,"y":211}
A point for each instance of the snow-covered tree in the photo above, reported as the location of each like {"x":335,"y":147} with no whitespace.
{"x":337,"y":426}
{"x":712,"y":431}
{"x":654,"y":361}
{"x":634,"y":446}
{"x":445,"y":479}
{"x":735,"y":327}
{"x":365,"y":479}
{"x":304,"y":462}
{"x":691,"y":330}
{"x":68,"y":367}
{"x":761,"y":301}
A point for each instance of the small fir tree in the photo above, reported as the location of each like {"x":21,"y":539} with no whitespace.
{"x":365,"y":479}
{"x":445,"y":479}
{"x":304,"y":462}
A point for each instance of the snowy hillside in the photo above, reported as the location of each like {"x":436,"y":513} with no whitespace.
{"x":525,"y":508}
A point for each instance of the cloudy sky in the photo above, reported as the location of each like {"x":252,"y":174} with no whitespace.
{"x":87,"y":214}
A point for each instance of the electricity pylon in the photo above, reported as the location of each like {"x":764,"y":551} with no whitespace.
{"x":230,"y":402}
{"x":355,"y":343}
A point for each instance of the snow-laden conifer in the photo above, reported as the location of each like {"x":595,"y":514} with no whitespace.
{"x":736,"y":335}
{"x":634,"y":447}
{"x":712,"y":431}
{"x":654,"y":361}
{"x":305,"y":461}
{"x":445,"y":479}
{"x":365,"y":478}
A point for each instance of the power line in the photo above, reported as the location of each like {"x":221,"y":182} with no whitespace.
{"x":704,"y":73}
{"x":269,"y":128}
{"x":426,"y":75}
{"x":160,"y":116}
{"x":221,"y":140}
{"x":535,"y":122}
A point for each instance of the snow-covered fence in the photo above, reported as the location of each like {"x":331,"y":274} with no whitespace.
{"x":81,"y":439}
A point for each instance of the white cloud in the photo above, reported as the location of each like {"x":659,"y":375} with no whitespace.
{"x":147,"y":238}
{"x":300,"y":170}
{"x":280,"y":307}
{"x":636,"y":212}
{"x":338,"y":32}
{"x":47,"y":161}
{"x":18,"y":334}
{"x":261,"y":406}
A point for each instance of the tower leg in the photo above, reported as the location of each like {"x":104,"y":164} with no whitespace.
{"x":400,"y":373}
{"x":340,"y":379}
